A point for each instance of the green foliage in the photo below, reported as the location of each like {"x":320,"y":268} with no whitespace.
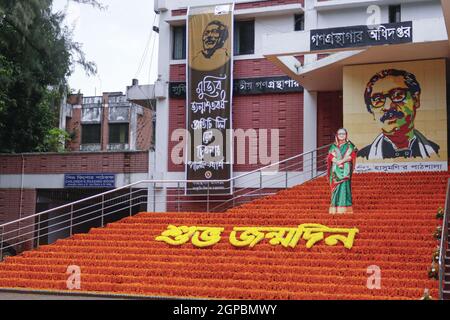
{"x":37,"y":53}
{"x":55,"y":141}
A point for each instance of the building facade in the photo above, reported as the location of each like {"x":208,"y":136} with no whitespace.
{"x":324,"y":46}
{"x":301,"y":70}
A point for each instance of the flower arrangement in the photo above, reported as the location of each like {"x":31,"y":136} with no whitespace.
{"x":437,"y":234}
{"x":436,"y":254}
{"x":440,"y":213}
{"x":394,"y":233}
{"x":433,"y":272}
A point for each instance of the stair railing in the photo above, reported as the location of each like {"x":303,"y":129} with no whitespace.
{"x":444,"y":243}
{"x":156,"y":195}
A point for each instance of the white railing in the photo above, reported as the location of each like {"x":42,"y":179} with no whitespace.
{"x":157,"y":195}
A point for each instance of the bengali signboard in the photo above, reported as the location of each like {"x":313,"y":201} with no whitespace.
{"x":247,"y":86}
{"x":209,"y":98}
{"x":361,"y":36}
{"x":89,"y":180}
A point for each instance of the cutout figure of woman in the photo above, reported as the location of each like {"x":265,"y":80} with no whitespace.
{"x":341,"y":162}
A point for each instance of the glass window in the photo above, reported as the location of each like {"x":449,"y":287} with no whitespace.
{"x":299,"y":22}
{"x":179,"y":43}
{"x":395,"y":14}
{"x":244,"y":37}
{"x":118,"y":133}
{"x":90,"y":133}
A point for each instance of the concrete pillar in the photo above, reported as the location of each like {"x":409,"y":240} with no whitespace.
{"x":160,"y":156}
{"x":310,"y":98}
{"x":133,"y":127}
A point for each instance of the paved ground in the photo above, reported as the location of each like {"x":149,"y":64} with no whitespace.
{"x":35,"y":296}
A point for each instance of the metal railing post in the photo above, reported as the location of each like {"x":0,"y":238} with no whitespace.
{"x":154,"y":196}
{"x":178,"y":196}
{"x":1,"y":243}
{"x":103,"y":210}
{"x":207,"y":199}
{"x":131,"y":202}
{"x":260,"y":179}
{"x":71,"y":220}
{"x":312,"y":164}
{"x":38,"y":231}
{"x":286,"y":177}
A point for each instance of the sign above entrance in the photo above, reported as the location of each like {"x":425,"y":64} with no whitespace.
{"x":89,"y":180}
{"x":247,"y":86}
{"x":361,"y":36}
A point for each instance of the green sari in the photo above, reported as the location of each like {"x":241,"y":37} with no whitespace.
{"x":340,"y":175}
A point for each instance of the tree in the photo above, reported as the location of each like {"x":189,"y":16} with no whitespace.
{"x":36,"y":55}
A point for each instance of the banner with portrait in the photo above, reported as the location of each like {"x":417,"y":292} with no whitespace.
{"x":209,"y":98}
{"x":396,"y":115}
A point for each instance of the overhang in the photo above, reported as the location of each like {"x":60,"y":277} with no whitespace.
{"x":430,"y":41}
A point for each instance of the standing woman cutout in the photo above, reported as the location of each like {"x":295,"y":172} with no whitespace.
{"x":341,"y":163}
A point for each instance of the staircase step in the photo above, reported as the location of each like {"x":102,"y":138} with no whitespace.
{"x":125,"y":257}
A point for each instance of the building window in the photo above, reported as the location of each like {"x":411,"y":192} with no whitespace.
{"x":118,"y":133}
{"x":244,"y":37}
{"x":395,"y":14}
{"x":90,"y":133}
{"x":299,"y":22}
{"x":179,"y":43}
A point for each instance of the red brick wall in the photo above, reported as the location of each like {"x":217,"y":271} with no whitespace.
{"x":177,"y":72}
{"x":73,"y":125}
{"x":269,"y":111}
{"x":10,"y":211}
{"x":144,"y":132}
{"x":329,"y":116}
{"x":10,"y":203}
{"x":242,"y":69}
{"x":111,"y":162}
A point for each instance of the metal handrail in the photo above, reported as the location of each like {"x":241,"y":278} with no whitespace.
{"x":253,"y":190}
{"x":162,"y":181}
{"x":130,"y":198}
{"x":444,"y":243}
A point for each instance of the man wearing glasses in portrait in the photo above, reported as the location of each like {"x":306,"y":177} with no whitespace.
{"x":393,"y":97}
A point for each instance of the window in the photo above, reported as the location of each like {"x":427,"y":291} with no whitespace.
{"x":90,"y":133}
{"x":118,"y":133}
{"x":244,"y":37}
{"x":179,"y":43}
{"x":299,"y":22}
{"x":395,"y":14}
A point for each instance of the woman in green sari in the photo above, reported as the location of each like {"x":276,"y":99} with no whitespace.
{"x":341,"y":164}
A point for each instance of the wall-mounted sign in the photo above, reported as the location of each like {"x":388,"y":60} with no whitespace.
{"x":361,"y":36}
{"x":209,"y":98}
{"x":247,"y":86}
{"x":89,"y":180}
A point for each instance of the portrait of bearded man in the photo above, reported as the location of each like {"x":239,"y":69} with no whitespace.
{"x":214,"y":52}
{"x":393,"y":98}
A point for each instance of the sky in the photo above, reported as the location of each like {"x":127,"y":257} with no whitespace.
{"x":115,"y":39}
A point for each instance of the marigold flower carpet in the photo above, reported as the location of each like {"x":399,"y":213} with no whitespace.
{"x":394,"y":213}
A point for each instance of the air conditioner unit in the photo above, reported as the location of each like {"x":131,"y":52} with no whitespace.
{"x":160,"y":6}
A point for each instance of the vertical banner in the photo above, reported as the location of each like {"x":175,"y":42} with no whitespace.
{"x":209,"y":98}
